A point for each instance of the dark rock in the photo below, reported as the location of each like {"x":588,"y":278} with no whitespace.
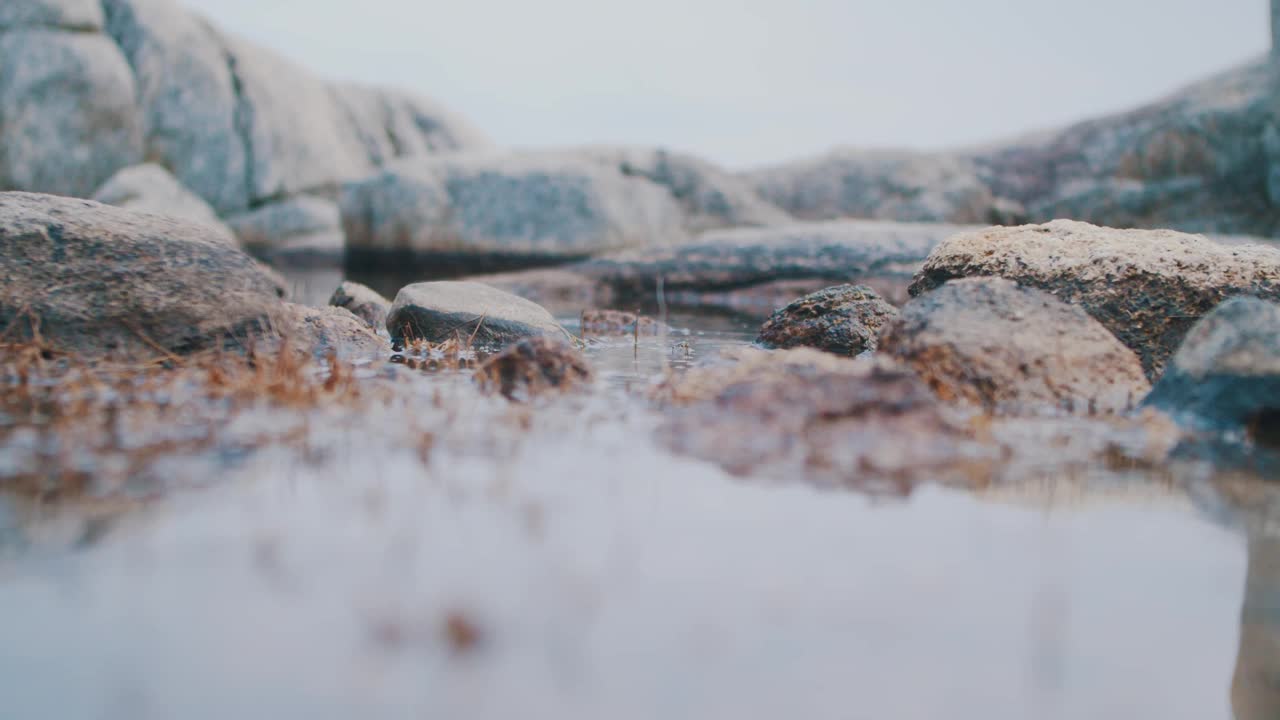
{"x":364,"y":302}
{"x":1227,"y":372}
{"x":101,"y":281}
{"x":618,"y":322}
{"x":844,"y":319}
{"x":989,"y":341}
{"x":1147,"y":287}
{"x":534,"y":367}
{"x":468,"y":311}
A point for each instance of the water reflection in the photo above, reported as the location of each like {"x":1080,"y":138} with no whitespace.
{"x":1255,"y":688}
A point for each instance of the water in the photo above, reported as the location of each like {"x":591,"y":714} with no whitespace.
{"x":603,"y":577}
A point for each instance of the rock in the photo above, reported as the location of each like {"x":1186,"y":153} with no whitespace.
{"x":535,"y":205}
{"x":440,"y":311}
{"x":618,"y":322}
{"x":68,"y":118}
{"x":97,"y":280}
{"x":74,"y":15}
{"x":1009,"y":348}
{"x":1146,"y":287}
{"x":330,"y":330}
{"x":150,"y":188}
{"x":298,"y":229}
{"x":710,"y":196}
{"x":1227,"y":372}
{"x":363,"y":302}
{"x":886,"y":185}
{"x":840,"y":420}
{"x":534,"y":367}
{"x":845,"y":319}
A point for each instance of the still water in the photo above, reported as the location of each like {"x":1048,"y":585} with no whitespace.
{"x":581,"y":571}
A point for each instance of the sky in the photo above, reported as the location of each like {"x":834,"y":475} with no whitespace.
{"x":755,"y":82}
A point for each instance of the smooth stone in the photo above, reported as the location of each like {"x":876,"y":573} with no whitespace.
{"x":466,"y":311}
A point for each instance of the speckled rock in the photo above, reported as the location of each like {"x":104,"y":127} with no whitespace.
{"x":363,"y":302}
{"x":151,"y":189}
{"x":440,"y":311}
{"x":1227,"y":372}
{"x":1011,"y":348}
{"x":97,"y":280}
{"x":329,"y":330}
{"x":534,"y":367}
{"x":1147,"y":287}
{"x":845,"y":319}
{"x":295,"y":230}
{"x":76,"y":15}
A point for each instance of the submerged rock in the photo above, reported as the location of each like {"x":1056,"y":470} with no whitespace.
{"x":97,"y":280}
{"x":467,"y":311}
{"x":619,"y":322}
{"x":1146,"y":286}
{"x":1227,"y":372}
{"x":295,"y":230}
{"x":363,"y":302}
{"x":845,"y":319}
{"x":534,"y":367}
{"x":989,"y":341}
{"x":150,"y":188}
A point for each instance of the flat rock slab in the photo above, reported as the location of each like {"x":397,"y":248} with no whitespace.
{"x":1148,"y":287}
{"x":844,"y":319}
{"x":440,"y":311}
{"x":1011,"y":348}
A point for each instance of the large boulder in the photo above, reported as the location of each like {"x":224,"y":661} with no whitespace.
{"x":297,"y":229}
{"x":76,"y":15}
{"x":150,"y":188}
{"x":97,"y":280}
{"x":1146,"y":287}
{"x":524,"y":204}
{"x":466,"y":311}
{"x":844,"y":319}
{"x":1227,"y":372}
{"x":68,"y":114}
{"x":1005,"y":347}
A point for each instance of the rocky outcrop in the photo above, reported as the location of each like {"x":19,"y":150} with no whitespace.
{"x":151,"y":189}
{"x":523,"y":204}
{"x":1146,"y":287}
{"x":466,"y":311}
{"x":845,"y":319}
{"x":1227,"y":372}
{"x":534,"y":367}
{"x":74,"y":15}
{"x":296,"y":230}
{"x":97,"y":280}
{"x":363,"y":302}
{"x":1009,"y":348}
{"x":67,"y":104}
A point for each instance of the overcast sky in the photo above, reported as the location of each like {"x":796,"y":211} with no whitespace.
{"x":747,"y":82}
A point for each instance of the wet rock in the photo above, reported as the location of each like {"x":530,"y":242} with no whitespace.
{"x":1227,"y":372}
{"x":440,"y":311}
{"x":151,"y":189}
{"x":845,"y":319}
{"x":363,"y":302}
{"x":75,"y":15}
{"x":97,"y":280}
{"x":1147,"y":287}
{"x":1008,"y":348}
{"x":619,"y":322}
{"x":535,"y":205}
{"x":299,"y":229}
{"x":329,"y":330}
{"x":534,"y":367}
{"x":68,"y":118}
{"x":839,"y":419}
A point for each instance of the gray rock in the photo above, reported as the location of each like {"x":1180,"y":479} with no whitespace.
{"x":1147,"y":287}
{"x":711,"y":197}
{"x":363,"y":302}
{"x":394,"y":124}
{"x":329,"y":330}
{"x":68,"y":118}
{"x":845,"y":319}
{"x":1227,"y":372}
{"x":440,"y":311}
{"x":301,"y":228}
{"x":525,"y":204}
{"x":97,"y":280}
{"x":1009,"y":348}
{"x":150,"y":188}
{"x":76,"y":15}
